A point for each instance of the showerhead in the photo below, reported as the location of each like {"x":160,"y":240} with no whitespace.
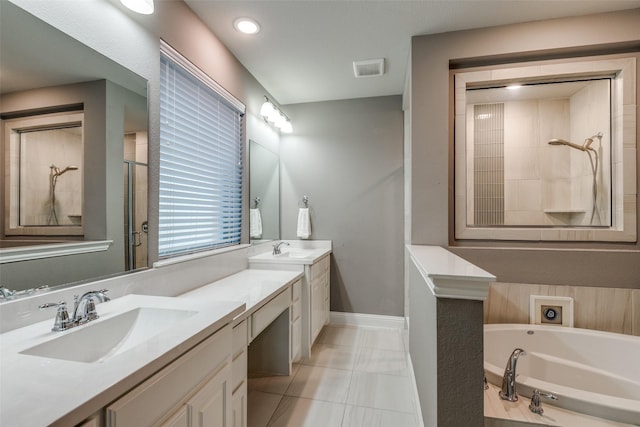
{"x":57,"y":172}
{"x":558,"y":141}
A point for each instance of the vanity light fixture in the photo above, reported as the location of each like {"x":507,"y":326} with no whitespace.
{"x":277,"y":118}
{"x":246,"y":25}
{"x":144,"y":7}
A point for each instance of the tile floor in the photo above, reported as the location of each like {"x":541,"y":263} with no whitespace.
{"x":356,"y":377}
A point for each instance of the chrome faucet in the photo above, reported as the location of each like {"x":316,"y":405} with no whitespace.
{"x":536,"y":406}
{"x":84,"y":310}
{"x":508,"y":391}
{"x":85,"y":307}
{"x":276,"y":247}
{"x":6,"y":293}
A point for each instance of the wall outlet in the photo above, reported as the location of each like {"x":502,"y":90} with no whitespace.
{"x":550,"y":310}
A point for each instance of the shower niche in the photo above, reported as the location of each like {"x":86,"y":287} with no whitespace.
{"x":546,"y":151}
{"x":44,"y":179}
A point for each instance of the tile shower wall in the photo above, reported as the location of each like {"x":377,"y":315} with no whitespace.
{"x":604,"y":309}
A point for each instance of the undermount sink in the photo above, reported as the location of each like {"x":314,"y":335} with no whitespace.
{"x":296,"y":254}
{"x":102,"y":339}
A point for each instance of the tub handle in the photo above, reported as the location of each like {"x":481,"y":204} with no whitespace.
{"x":536,"y":406}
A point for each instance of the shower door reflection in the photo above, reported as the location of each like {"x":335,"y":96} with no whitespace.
{"x":135,"y":215}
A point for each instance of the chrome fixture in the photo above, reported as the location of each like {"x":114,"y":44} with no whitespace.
{"x":10,"y":294}
{"x":508,"y":391}
{"x":536,"y":406}
{"x":586,"y":147}
{"x":84,"y":310}
{"x":276,"y":247}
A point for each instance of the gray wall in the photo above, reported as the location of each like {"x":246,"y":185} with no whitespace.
{"x":581,"y":264}
{"x":347,"y":156}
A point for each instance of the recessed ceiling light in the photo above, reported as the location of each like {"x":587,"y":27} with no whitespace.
{"x":246,"y":25}
{"x":144,"y":7}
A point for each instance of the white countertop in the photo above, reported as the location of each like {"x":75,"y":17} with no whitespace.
{"x":254,"y":288}
{"x":39,"y":391}
{"x":448,"y":275}
{"x":302,"y":256}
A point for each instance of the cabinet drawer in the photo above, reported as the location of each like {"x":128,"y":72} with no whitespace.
{"x":160,"y":394}
{"x":239,"y":338}
{"x":268,"y":312}
{"x":296,"y":291}
{"x":319,"y":268}
{"x":238,"y":370}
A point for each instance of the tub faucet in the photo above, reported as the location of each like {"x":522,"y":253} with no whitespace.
{"x":508,"y":391}
{"x":276,"y":247}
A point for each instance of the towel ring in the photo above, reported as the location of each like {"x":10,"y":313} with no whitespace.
{"x":257,"y":201}
{"x":305,"y":200}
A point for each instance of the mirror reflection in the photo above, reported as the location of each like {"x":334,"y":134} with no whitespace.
{"x":540,"y":153}
{"x":74,"y":145}
{"x":264,"y":193}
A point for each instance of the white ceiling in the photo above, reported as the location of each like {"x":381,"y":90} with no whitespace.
{"x":305,"y":50}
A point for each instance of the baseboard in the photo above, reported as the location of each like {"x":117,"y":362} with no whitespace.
{"x":360,"y":319}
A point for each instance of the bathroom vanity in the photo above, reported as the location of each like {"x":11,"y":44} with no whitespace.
{"x":183,"y":360}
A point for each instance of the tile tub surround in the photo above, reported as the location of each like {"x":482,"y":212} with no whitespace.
{"x":356,"y":377}
{"x":604,"y":309}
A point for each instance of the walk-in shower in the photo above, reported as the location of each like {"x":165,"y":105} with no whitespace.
{"x":55,"y":173}
{"x":586,"y":147}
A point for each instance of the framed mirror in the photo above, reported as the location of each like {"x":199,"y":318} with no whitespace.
{"x":543,"y":151}
{"x":72,"y":122}
{"x":264,"y":193}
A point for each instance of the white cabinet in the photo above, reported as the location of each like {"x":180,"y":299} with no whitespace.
{"x":296,"y":321}
{"x":194,"y":390}
{"x":318,"y":277}
{"x":239,"y":375}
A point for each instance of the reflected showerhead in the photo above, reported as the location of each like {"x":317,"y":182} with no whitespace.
{"x":57,"y":172}
{"x":558,"y":141}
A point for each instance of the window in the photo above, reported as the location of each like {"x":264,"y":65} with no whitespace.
{"x":201,"y":166}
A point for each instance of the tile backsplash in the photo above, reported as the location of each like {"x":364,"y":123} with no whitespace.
{"x":603,"y":309}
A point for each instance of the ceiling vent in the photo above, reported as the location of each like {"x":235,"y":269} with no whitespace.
{"x":368,"y":68}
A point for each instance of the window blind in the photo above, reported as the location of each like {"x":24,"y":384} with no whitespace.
{"x":200,"y":160}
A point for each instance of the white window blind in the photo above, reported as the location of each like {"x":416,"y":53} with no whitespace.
{"x":200,"y":160}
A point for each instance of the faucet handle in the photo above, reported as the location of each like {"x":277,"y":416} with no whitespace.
{"x":62,"y":321}
{"x":536,"y":406}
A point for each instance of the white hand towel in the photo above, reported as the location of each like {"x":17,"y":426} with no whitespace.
{"x":255,"y":224}
{"x":304,"y":223}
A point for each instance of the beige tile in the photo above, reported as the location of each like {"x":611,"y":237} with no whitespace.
{"x":509,"y":302}
{"x":260,"y":407}
{"x":273,"y":384}
{"x":383,"y":339}
{"x":346,"y":336}
{"x":358,"y":416}
{"x":297,"y":412}
{"x":316,"y":382}
{"x":603,"y":309}
{"x":389,"y":392}
{"x":382,"y":362}
{"x":635,"y":312}
{"x":331,"y":356}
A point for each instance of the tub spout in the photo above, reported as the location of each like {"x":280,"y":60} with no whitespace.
{"x":508,"y":391}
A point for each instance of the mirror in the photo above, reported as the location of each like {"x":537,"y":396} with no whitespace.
{"x":264,"y":193}
{"x":71,"y":118}
{"x":539,"y":152}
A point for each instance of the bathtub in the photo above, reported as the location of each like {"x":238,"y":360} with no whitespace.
{"x":592,"y":372}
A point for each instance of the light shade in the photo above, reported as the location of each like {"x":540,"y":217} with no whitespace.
{"x":144,"y":7}
{"x":286,"y":127}
{"x":267,"y":109}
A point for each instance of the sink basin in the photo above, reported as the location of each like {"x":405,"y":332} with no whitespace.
{"x":102,"y":339}
{"x":296,"y":254}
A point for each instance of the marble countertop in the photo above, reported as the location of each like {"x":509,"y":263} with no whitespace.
{"x":254,"y":288}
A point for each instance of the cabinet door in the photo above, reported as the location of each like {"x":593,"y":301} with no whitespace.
{"x":179,"y":419}
{"x":211,"y":406}
{"x":239,"y":407}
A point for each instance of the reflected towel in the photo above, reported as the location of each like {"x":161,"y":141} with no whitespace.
{"x":255,"y":224}
{"x":304,"y":223}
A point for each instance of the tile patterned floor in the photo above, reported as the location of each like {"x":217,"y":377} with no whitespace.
{"x":356,"y":377}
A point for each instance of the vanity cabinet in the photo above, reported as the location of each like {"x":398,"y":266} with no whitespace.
{"x":318,"y":277}
{"x":239,"y":375}
{"x":195,"y":390}
{"x":296,"y":321}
